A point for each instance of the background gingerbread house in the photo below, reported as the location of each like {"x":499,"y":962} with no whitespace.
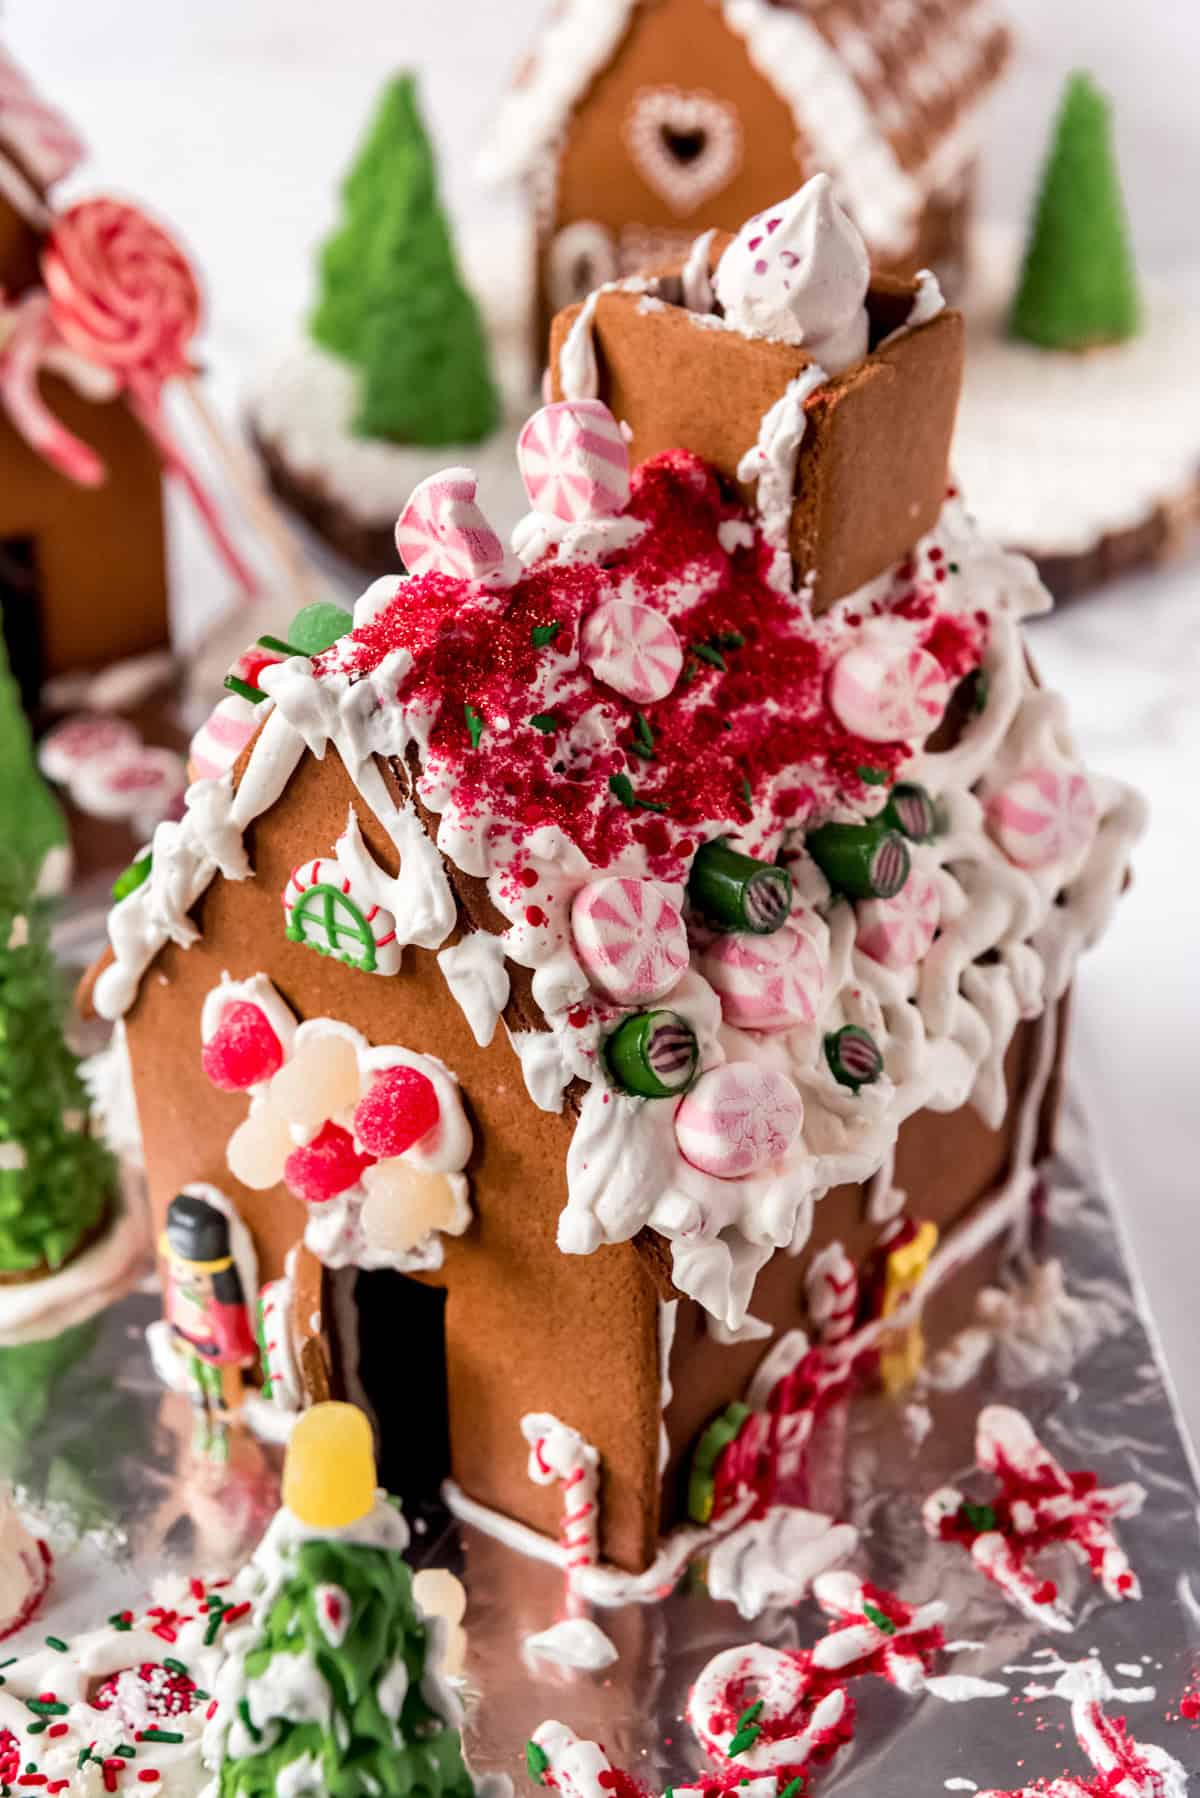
{"x":83,"y":577}
{"x":639,"y":123}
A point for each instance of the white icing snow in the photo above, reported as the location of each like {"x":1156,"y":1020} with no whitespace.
{"x":774,"y":1560}
{"x":575,"y":1642}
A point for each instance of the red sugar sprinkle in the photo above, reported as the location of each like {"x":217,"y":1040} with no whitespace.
{"x":528,"y":877}
{"x":1189,"y":1706}
{"x":534,"y":915}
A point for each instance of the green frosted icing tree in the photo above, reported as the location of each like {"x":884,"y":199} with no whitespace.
{"x":30,"y":821}
{"x":392,"y":301}
{"x":347,"y":1616}
{"x":55,"y":1177}
{"x":1078,"y":286}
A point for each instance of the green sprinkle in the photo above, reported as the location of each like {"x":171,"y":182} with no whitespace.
{"x":621,"y":788}
{"x":792,"y":1788}
{"x":706,"y":652}
{"x":953,"y":567}
{"x":879,"y":1618}
{"x":120,"y":1621}
{"x":750,"y":1715}
{"x":175,"y":1667}
{"x":243,"y":1711}
{"x":161,"y":1735}
{"x":125,"y":1751}
{"x":475,"y":723}
{"x":643,"y":731}
{"x":747,"y":791}
{"x":37,"y":1729}
{"x":979,"y":691}
{"x":980,"y":1517}
{"x":745,"y":1738}
{"x":545,"y":721}
{"x":729,"y":639}
{"x":46,"y":1707}
{"x":537,"y":1761}
{"x":872,"y":777}
{"x":57,"y":1643}
{"x":542,"y":634}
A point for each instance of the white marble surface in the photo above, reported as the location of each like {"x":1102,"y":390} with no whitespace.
{"x":233,"y":118}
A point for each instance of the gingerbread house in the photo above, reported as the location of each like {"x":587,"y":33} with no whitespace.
{"x":638,"y":123}
{"x":619,"y":982}
{"x":83,"y":577}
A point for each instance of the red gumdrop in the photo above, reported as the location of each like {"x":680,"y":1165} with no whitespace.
{"x":243,"y":1050}
{"x":399,"y":1110}
{"x":325,"y":1166}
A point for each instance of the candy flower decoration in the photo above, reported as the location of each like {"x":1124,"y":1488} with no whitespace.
{"x":629,"y":939}
{"x":888,"y":694}
{"x":898,"y":932}
{"x":122,"y":294}
{"x":574,"y":461}
{"x":739,"y":1119}
{"x":442,"y":530}
{"x":1044,"y":817}
{"x":765,"y":982}
{"x":732,"y":891}
{"x":632,"y":649}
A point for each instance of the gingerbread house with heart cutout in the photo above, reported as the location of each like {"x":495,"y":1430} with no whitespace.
{"x":83,"y":577}
{"x":638,"y":123}
{"x":617,"y":984}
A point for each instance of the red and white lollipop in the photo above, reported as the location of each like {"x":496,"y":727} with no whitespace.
{"x":630,"y":940}
{"x":898,"y":932}
{"x":738,"y":1119}
{"x":574,"y":461}
{"x":888,"y":695}
{"x":443,"y":531}
{"x":632,"y":649}
{"x":765,"y":982}
{"x":1043,"y":816}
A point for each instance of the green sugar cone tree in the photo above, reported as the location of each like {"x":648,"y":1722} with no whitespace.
{"x":392,"y":301}
{"x":31,"y":823}
{"x":346,"y":1652}
{"x":1078,"y":287}
{"x":55,"y":1177}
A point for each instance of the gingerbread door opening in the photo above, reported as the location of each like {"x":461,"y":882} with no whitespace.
{"x":21,"y":616}
{"x":401,"y":1373}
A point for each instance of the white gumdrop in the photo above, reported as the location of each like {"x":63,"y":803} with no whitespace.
{"x":403,"y":1205}
{"x":320,"y":1080}
{"x":258,"y":1149}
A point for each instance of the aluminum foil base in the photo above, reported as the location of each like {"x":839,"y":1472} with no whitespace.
{"x":105,"y":1461}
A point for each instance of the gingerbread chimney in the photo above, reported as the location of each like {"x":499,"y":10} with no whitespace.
{"x":826,"y":395}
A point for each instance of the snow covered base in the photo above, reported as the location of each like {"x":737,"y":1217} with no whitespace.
{"x":33,"y":1310}
{"x":1060,"y":451}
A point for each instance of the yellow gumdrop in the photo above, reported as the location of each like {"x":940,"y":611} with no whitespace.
{"x":329,"y":1477}
{"x":404,"y":1204}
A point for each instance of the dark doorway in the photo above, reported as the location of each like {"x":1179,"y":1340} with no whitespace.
{"x":21,"y":615}
{"x":402,"y":1375}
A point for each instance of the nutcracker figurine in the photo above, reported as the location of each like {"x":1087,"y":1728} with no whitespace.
{"x":206,"y":1305}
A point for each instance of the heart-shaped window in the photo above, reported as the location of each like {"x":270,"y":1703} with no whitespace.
{"x":686,"y":146}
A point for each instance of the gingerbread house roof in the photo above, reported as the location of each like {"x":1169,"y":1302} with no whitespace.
{"x":38,"y":144}
{"x":886,"y":93}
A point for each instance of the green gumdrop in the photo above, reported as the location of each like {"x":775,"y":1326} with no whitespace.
{"x":131,"y":878}
{"x":317,"y":627}
{"x":1078,"y":287}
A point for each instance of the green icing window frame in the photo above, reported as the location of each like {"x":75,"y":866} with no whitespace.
{"x":332,"y":903}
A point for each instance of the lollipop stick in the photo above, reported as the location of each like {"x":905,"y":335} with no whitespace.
{"x":145,"y":402}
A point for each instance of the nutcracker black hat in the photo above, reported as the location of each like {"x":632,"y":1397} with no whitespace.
{"x":196,"y":1230}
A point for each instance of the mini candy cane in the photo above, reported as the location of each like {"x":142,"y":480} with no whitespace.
{"x":832,"y":1289}
{"x":574,"y":461}
{"x":557,"y":1452}
{"x":25,"y":343}
{"x":754,"y":1707}
{"x":888,"y":695}
{"x":765,"y":982}
{"x":220,"y":740}
{"x":1120,"y":1765}
{"x":632,"y":649}
{"x":443,"y":531}
{"x":738,"y":1119}
{"x":899,"y":932}
{"x":1043,"y":817}
{"x":630,"y":940}
{"x":282,"y":1380}
{"x":45,"y":140}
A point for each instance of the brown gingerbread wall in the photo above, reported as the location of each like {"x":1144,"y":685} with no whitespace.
{"x":527,"y":1329}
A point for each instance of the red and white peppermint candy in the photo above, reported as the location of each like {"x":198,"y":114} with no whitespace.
{"x":85,"y":740}
{"x":629,"y":938}
{"x":574,"y":461}
{"x":738,"y":1119}
{"x":1043,"y":816}
{"x":144,"y":784}
{"x":765,"y":982}
{"x":220,"y":740}
{"x":632,"y":649}
{"x":47,"y":143}
{"x":443,"y":531}
{"x":121,"y":290}
{"x":898,"y":932}
{"x":888,"y":695}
